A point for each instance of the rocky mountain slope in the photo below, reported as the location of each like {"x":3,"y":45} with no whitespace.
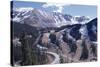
{"x":74,"y":39}
{"x":39,"y":18}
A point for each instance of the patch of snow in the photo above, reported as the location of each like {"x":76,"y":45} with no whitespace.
{"x":23,"y":9}
{"x":41,"y":47}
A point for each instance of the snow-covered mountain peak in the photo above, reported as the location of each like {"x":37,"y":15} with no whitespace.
{"x":23,"y":9}
{"x":41,"y":18}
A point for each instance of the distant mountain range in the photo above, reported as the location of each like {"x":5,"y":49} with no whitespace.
{"x":30,"y":18}
{"x":39,"y":18}
{"x":75,"y":36}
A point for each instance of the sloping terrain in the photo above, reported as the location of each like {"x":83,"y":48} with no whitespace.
{"x":68,"y":38}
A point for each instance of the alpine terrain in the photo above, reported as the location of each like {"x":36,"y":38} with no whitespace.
{"x":40,"y":37}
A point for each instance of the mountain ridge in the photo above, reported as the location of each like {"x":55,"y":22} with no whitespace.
{"x":40,"y":18}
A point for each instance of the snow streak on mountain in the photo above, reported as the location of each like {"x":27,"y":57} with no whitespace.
{"x":52,"y":36}
{"x":39,"y":18}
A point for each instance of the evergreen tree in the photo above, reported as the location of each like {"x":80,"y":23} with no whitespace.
{"x":85,"y":51}
{"x":26,"y":51}
{"x":31,"y":55}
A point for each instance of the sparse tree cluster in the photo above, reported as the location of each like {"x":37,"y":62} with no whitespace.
{"x":31,"y":55}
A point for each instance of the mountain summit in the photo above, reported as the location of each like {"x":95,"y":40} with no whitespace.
{"x":40,"y":18}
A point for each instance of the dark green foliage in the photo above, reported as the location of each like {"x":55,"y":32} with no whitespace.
{"x":85,"y":51}
{"x":61,"y":60}
{"x":91,"y":32}
{"x":70,"y":42}
{"x":94,"y":49}
{"x":18,"y":28}
{"x":31,"y":55}
{"x":53,"y":38}
{"x":26,"y":50}
{"x":17,"y":54}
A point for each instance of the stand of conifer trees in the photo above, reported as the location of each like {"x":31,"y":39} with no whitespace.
{"x":31,"y":55}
